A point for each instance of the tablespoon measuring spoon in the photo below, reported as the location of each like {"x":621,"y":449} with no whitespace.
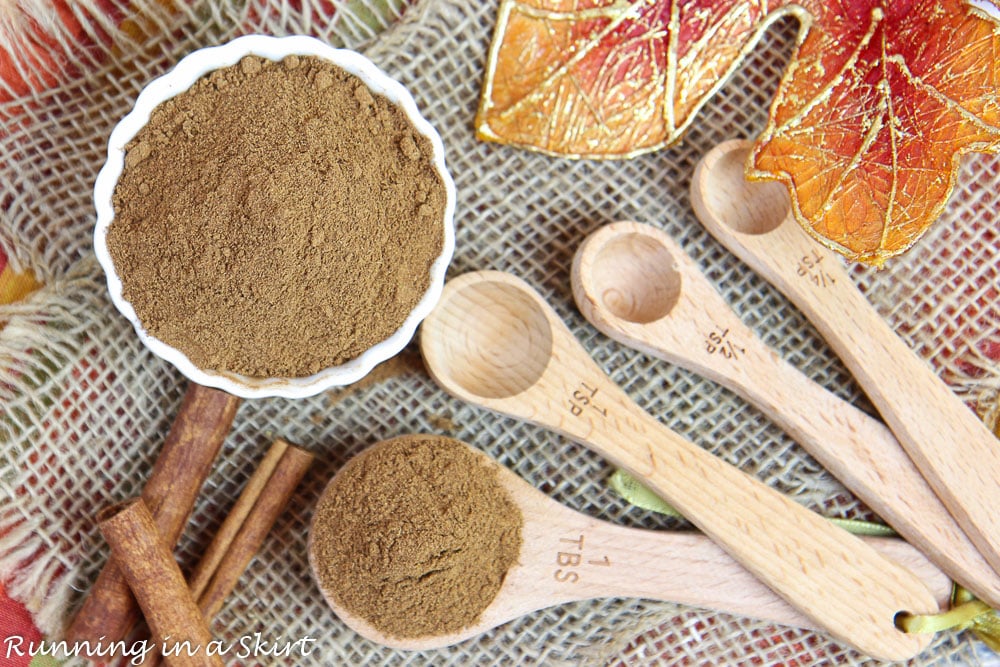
{"x":637,"y":286}
{"x":952,"y":448}
{"x":567,"y":556}
{"x":493,"y":341}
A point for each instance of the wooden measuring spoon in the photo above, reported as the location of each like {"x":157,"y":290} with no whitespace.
{"x":567,"y":556}
{"x":952,"y":448}
{"x":493,"y":341}
{"x":636,"y":285}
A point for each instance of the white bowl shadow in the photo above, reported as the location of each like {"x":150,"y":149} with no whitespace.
{"x":191,"y":68}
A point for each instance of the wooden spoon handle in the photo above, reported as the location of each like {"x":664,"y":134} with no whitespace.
{"x":827,"y":574}
{"x":574,"y":557}
{"x":855,"y":448}
{"x":818,"y":568}
{"x":952,"y":448}
{"x":863,"y":454}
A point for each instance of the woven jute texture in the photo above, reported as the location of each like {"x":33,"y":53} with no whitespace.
{"x":87,"y":407}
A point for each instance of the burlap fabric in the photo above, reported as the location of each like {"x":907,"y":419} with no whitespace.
{"x":86,"y":406}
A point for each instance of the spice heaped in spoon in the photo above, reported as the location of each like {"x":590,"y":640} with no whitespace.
{"x":564,"y":556}
{"x":636,"y":285}
{"x":952,"y":448}
{"x":493,"y":341}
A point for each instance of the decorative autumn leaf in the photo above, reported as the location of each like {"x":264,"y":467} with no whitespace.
{"x":880,"y":99}
{"x":868,"y":125}
{"x":609,"y":78}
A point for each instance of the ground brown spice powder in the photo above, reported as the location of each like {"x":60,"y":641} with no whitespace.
{"x":276,"y":219}
{"x":415,"y":536}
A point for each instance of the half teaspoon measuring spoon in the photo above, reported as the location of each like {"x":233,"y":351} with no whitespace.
{"x":952,"y":448}
{"x":568,"y":556}
{"x":637,"y":286}
{"x":494,"y":342}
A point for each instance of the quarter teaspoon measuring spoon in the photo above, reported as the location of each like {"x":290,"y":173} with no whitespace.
{"x":636,"y":285}
{"x":952,"y":448}
{"x":494,"y":342}
{"x":567,"y":556}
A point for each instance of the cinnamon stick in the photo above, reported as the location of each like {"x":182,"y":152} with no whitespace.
{"x":245,"y":527}
{"x":213,"y":587}
{"x":146,"y":563}
{"x":223,"y":539}
{"x":110,"y":611}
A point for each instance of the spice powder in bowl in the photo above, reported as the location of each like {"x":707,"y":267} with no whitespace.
{"x":415,"y":536}
{"x":276,"y":219}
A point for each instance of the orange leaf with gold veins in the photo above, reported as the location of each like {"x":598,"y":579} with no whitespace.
{"x":871,"y":118}
{"x":609,"y":78}
{"x":881,"y":99}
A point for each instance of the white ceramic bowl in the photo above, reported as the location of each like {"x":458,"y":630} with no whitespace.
{"x":179,"y":79}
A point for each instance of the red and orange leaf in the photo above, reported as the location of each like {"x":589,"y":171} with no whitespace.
{"x":880,"y":100}
{"x":868,"y":125}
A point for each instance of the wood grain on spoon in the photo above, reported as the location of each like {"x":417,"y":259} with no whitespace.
{"x":952,"y":448}
{"x":494,"y":342}
{"x":635,"y":284}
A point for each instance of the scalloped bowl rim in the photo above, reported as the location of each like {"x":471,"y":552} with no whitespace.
{"x":184,"y":74}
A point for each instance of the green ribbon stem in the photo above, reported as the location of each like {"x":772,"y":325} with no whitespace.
{"x":632,"y":490}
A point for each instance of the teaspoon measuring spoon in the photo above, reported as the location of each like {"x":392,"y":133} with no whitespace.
{"x":567,"y":556}
{"x":637,"y":286}
{"x":952,"y":448}
{"x":494,"y":342}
